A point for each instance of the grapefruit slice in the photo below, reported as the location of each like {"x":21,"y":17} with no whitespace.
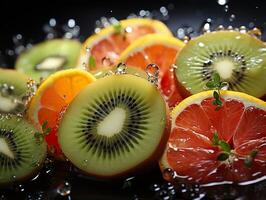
{"x":161,"y":50}
{"x":50,"y":100}
{"x":104,"y":48}
{"x":240,"y":123}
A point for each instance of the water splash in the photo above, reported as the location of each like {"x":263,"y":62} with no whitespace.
{"x":64,"y":188}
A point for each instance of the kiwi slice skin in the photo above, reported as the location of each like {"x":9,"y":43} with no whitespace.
{"x":66,"y":49}
{"x":18,"y":82}
{"x":197,"y":61}
{"x":27,"y":159}
{"x":73,"y":143}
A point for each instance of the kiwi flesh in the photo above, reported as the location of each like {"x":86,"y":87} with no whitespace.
{"x":48,"y":57}
{"x":22,"y":149}
{"x":13,"y":87}
{"x":115,"y":126}
{"x":239,"y":59}
{"x":104,"y":71}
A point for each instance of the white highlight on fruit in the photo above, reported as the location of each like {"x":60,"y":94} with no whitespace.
{"x":7,"y":104}
{"x":224,"y":68}
{"x":51,"y":63}
{"x":112,"y":123}
{"x":4,"y":148}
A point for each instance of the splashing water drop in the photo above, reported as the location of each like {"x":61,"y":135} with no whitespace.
{"x":242,"y":29}
{"x":232,"y":17}
{"x":121,"y":68}
{"x":226,"y":8}
{"x":64,"y":188}
{"x":222,"y":2}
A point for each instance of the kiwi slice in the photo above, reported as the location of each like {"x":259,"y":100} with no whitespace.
{"x":22,"y":149}
{"x":102,"y":72}
{"x":238,"y":58}
{"x":115,"y":126}
{"x":48,"y":57}
{"x":13,"y":87}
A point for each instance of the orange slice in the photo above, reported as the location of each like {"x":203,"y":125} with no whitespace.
{"x":50,"y":100}
{"x":104,"y":48}
{"x":161,"y":50}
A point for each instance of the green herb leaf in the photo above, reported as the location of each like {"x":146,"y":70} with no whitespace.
{"x":44,"y":124}
{"x":216,"y":79}
{"x":46,"y":130}
{"x":225,"y":146}
{"x":253,"y":153}
{"x":248,"y":161}
{"x":215,"y":139}
{"x":92,"y":62}
{"x":210,"y":84}
{"x":223,"y":156}
{"x":39,"y":137}
{"x":118,"y":28}
{"x":216,"y":95}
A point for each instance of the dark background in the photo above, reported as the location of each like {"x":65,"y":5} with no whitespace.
{"x":27,"y":18}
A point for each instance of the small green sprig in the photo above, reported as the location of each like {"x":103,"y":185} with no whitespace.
{"x":92,"y":62}
{"x":249,"y":159}
{"x":39,"y":137}
{"x":224,"y":155}
{"x":46,"y":130}
{"x":216,"y":84}
{"x":118,"y":28}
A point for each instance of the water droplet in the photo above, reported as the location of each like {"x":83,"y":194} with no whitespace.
{"x":155,"y":187}
{"x":201,"y":44}
{"x":85,"y":162}
{"x":168,"y":174}
{"x":64,"y":189}
{"x":106,"y":61}
{"x":255,"y":32}
{"x":232,"y":17}
{"x":121,"y":68}
{"x":243,"y":29}
{"x":220,"y":28}
{"x":52,"y":22}
{"x":152,"y":71}
{"x":226,"y":8}
{"x":128,"y":29}
{"x":222,"y":2}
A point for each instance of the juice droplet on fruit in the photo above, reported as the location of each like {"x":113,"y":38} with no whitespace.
{"x":107,"y":62}
{"x":153,"y":71}
{"x":256,"y":32}
{"x":121,"y":68}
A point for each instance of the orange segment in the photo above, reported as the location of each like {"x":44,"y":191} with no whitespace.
{"x":160,"y":50}
{"x":241,"y":122}
{"x":52,"y":97}
{"x":109,"y":44}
